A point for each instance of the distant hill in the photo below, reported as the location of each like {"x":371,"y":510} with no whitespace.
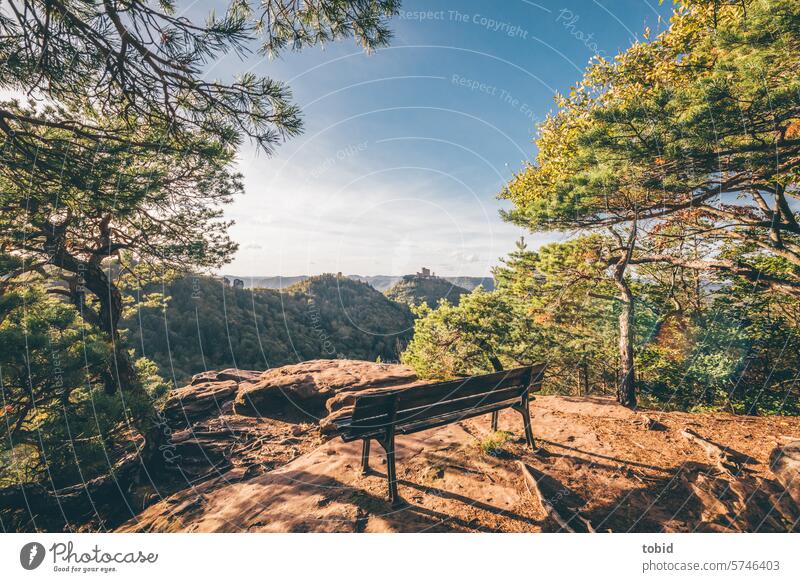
{"x":414,"y":290}
{"x":277,"y":282}
{"x":210,"y":326}
{"x":470,"y":283}
{"x":379,"y":282}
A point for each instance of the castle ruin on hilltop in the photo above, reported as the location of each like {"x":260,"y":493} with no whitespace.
{"x":424,"y":273}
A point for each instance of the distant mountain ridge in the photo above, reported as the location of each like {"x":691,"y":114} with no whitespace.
{"x":379,"y":282}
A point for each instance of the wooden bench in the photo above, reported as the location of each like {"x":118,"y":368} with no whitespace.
{"x":383,"y":415}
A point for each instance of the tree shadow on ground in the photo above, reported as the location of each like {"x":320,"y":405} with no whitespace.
{"x":408,"y":517}
{"x":691,"y":497}
{"x":599,"y":456}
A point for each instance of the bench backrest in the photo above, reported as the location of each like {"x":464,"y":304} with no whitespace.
{"x":420,"y":407}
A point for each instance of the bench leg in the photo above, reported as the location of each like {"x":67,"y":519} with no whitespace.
{"x":365,"y":458}
{"x":495,"y":417}
{"x":387,"y":442}
{"x":524,"y":409}
{"x":391,"y":471}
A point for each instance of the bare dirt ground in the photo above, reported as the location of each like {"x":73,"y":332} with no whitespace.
{"x":599,"y":467}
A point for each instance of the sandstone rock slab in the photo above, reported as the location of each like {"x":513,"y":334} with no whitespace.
{"x":224,"y":375}
{"x":314,"y":383}
{"x":198,"y":401}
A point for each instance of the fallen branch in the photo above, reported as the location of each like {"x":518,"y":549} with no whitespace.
{"x":723,"y":459}
{"x":651,"y":423}
{"x":533,"y":488}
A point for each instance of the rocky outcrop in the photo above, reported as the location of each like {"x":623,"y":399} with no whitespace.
{"x":256,"y":421}
{"x":209,"y":394}
{"x":225,"y":375}
{"x":198,"y":401}
{"x":309,"y":387}
{"x":314,"y":383}
{"x":785,"y":463}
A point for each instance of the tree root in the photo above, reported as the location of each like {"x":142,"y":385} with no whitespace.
{"x":532,"y":485}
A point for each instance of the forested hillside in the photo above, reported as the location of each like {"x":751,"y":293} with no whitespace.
{"x":413,"y":290}
{"x":207,"y":325}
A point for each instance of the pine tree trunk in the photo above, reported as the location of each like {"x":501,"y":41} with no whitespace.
{"x":626,"y":390}
{"x":122,"y":374}
{"x":584,"y":376}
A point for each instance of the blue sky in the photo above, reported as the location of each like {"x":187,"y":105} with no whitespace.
{"x":405,"y":150}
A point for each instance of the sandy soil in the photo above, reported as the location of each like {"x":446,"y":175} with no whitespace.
{"x":598,"y":467}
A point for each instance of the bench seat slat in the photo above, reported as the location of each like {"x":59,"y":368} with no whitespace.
{"x":352,"y":433}
{"x":362,"y":433}
{"x":370,"y":405}
{"x":417,"y":396}
{"x":452,"y":417}
{"x":435,"y":409}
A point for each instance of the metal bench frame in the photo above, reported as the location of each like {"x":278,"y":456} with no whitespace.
{"x":382,"y":415}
